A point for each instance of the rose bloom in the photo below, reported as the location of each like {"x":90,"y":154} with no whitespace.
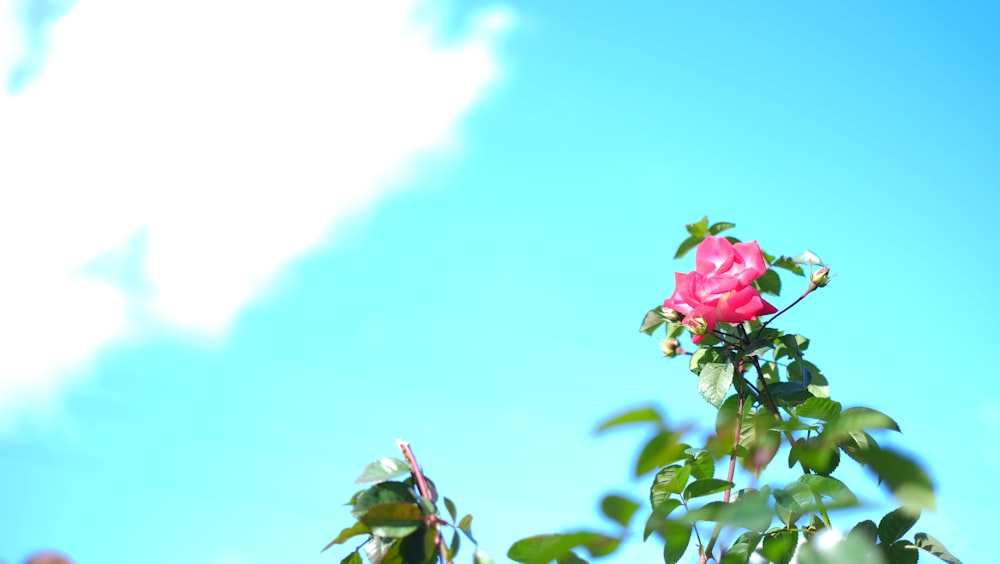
{"x":719,"y":289}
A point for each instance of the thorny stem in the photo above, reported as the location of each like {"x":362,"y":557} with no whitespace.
{"x":425,"y":492}
{"x":786,"y":308}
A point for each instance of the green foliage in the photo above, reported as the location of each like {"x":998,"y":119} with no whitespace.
{"x":769,"y":397}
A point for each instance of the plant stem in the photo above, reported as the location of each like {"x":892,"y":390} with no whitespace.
{"x":732,"y":466}
{"x":786,"y":308}
{"x":425,"y":492}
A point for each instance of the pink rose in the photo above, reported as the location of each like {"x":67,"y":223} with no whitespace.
{"x":719,"y":289}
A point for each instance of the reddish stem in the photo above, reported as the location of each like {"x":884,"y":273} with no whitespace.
{"x":425,"y":492}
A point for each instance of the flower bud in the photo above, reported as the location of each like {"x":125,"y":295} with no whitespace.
{"x":671,"y":347}
{"x":672,"y":315}
{"x":819,"y":279}
{"x":696,"y":324}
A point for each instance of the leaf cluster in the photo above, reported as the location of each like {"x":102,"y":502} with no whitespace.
{"x":398,"y":525}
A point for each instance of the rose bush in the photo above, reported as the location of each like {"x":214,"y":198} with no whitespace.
{"x":720,"y":288}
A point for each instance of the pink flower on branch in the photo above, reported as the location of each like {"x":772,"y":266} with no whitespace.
{"x":719,"y":290}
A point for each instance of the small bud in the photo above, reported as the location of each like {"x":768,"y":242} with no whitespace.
{"x":696,"y":324}
{"x":819,"y":279}
{"x":671,"y":315}
{"x":671,"y":347}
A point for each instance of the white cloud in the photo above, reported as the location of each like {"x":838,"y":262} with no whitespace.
{"x":226,"y":136}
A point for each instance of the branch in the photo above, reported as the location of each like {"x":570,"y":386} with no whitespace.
{"x":425,"y":492}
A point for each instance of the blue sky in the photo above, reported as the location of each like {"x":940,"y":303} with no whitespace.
{"x":246,"y":248}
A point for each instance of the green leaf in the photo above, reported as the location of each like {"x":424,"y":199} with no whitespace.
{"x":823,"y":409}
{"x":850,"y":550}
{"x":903,"y":552}
{"x":382,"y":470}
{"x":758,"y":347}
{"x":354,"y":530}
{"x":857,"y":445}
{"x":383,"y":493}
{"x":779,"y":546}
{"x":742,"y":549}
{"x":703,"y":466}
{"x":907,"y":480}
{"x":465,"y":525}
{"x":714,"y":382}
{"x":420,"y":546}
{"x":541,"y":549}
{"x":393,"y":520}
{"x":792,"y":501}
{"x":661,"y":450}
{"x":654,"y":318}
{"x":830,"y":487}
{"x":659,"y":516}
{"x":704,"y":356}
{"x":456,"y":542}
{"x":749,"y":511}
{"x":631,"y":417}
{"x":855,"y":419}
{"x":699,"y":229}
{"x":352,"y":558}
{"x":450,"y":506}
{"x":816,"y":454}
{"x":769,"y":283}
{"x":788,"y":264}
{"x":687,"y":245}
{"x":934,"y":546}
{"x":896,"y":523}
{"x":708,"y":486}
{"x":619,"y":509}
{"x":866,"y":530}
{"x":676,"y":537}
{"x":719,"y":227}
{"x":669,"y":480}
{"x":807,"y":257}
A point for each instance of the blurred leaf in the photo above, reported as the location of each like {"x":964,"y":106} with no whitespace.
{"x":779,"y":546}
{"x":654,"y":318}
{"x":352,"y":558}
{"x":465,"y":525}
{"x":698,"y":229}
{"x":676,"y":537}
{"x":450,"y":506}
{"x":719,"y":227}
{"x":791,"y":502}
{"x":480,"y":557}
{"x":714,"y":382}
{"x":866,"y":530}
{"x":850,"y":550}
{"x":823,"y":409}
{"x":807,"y":257}
{"x":749,"y":511}
{"x":659,"y":516}
{"x":419,"y":547}
{"x":816,"y":454}
{"x":830,"y":487}
{"x":857,"y":445}
{"x":456,"y":542}
{"x":934,"y":546}
{"x":541,"y":549}
{"x":856,"y":419}
{"x":354,"y":530}
{"x":896,"y":523}
{"x":742,"y":548}
{"x":907,"y":480}
{"x":903,"y":552}
{"x":661,"y":450}
{"x":687,"y":245}
{"x":382,"y":470}
{"x":393,"y":520}
{"x":619,"y":509}
{"x":383,"y":493}
{"x":769,"y":283}
{"x":631,"y":417}
{"x":708,"y":486}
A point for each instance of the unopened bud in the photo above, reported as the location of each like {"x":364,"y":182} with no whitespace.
{"x":671,"y":347}
{"x":696,"y":324}
{"x":819,"y":279}
{"x":672,"y":315}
